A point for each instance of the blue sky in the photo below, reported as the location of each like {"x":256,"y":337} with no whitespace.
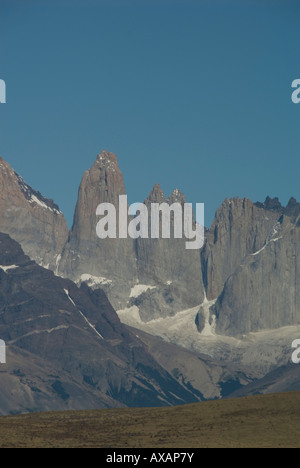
{"x":191,"y":94}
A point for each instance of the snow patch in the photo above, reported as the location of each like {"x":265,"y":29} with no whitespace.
{"x":180,"y":329}
{"x":68,"y":296}
{"x":270,"y":238}
{"x":130,"y":315}
{"x":9,"y":267}
{"x":209,"y":328}
{"x":57,"y":261}
{"x":35,"y":199}
{"x":91,"y":280}
{"x":83,"y":316}
{"x":138,"y":289}
{"x":106,"y":162}
{"x":260,"y":250}
{"x":31,"y":196}
{"x":91,"y":325}
{"x":267,"y":243}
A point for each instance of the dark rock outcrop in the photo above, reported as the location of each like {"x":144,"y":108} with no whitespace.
{"x":90,"y":358}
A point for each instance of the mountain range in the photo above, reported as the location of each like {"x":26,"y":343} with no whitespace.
{"x":92,"y":322}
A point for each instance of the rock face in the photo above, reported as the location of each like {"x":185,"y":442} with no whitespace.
{"x":244,"y":279}
{"x":31,"y":219}
{"x":250,"y":266}
{"x":66,"y":347}
{"x":123,"y":266}
{"x":173,"y":271}
{"x":239,"y":228}
{"x":264,"y":290}
{"x":110,"y":263}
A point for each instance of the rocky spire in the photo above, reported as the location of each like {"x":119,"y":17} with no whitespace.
{"x":110,"y":263}
{"x":156,"y":195}
{"x":166,"y":263}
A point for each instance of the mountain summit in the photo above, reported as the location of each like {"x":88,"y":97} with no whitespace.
{"x":236,"y":277}
{"x":31,"y":219}
{"x":244,"y":280}
{"x":109,"y":263}
{"x":119,"y":265}
{"x":153,"y":278}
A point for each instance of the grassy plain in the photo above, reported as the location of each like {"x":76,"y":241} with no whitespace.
{"x":258,"y":421}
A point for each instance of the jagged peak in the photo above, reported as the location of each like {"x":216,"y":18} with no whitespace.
{"x":176,"y":196}
{"x":156,"y":195}
{"x":157,"y":187}
{"x":273,"y":205}
{"x":105,"y":156}
{"x":33,"y":196}
{"x":5,"y":167}
{"x":270,"y":204}
{"x":292,"y":208}
{"x":106,"y":161}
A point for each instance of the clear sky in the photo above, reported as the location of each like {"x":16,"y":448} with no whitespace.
{"x":191,"y":94}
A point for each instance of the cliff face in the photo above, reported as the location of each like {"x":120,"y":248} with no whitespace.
{"x":239,"y":229}
{"x":31,"y":219}
{"x":108,"y":263}
{"x":173,"y":271}
{"x":245,"y":278}
{"x":159,"y":276}
{"x":251,"y":266}
{"x":263,"y":291}
{"x":67,"y":347}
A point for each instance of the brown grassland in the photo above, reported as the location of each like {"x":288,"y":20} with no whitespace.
{"x":260,"y":421}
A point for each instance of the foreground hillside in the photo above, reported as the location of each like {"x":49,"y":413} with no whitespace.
{"x":260,"y":421}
